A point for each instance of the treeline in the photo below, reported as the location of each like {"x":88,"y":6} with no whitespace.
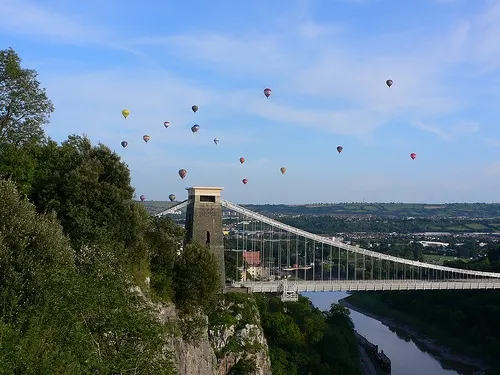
{"x":334,"y":225}
{"x":465,"y":320}
{"x":75,"y":247}
{"x":74,"y":244}
{"x":394,"y":210}
{"x":303,"y":340}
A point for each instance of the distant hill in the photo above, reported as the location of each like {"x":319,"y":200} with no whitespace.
{"x":155,"y":207}
{"x":400,"y":210}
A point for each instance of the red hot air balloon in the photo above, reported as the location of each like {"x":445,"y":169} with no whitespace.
{"x":182,"y":173}
{"x":242,"y":160}
{"x":245,"y":181}
{"x":143,"y":198}
{"x":268,"y":92}
{"x":413,"y":155}
{"x":339,"y":149}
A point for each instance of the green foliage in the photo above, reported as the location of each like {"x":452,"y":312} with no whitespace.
{"x":70,"y":264}
{"x":196,"y":279}
{"x":19,"y":164}
{"x":386,"y":210}
{"x":192,"y":326}
{"x":243,"y":367}
{"x":24,"y":106}
{"x":63,"y":312}
{"x":232,"y":261}
{"x":164,"y":238}
{"x":35,"y":256}
{"x":89,"y":189}
{"x":302,"y":340}
{"x":333,"y":225}
{"x":236,"y":309}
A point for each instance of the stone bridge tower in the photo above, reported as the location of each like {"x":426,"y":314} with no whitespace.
{"x":204,"y":221}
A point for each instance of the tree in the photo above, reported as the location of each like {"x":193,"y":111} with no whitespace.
{"x":18,"y":163}
{"x":164,"y":238}
{"x":66,"y":317}
{"x":196,"y":278}
{"x":89,"y":189}
{"x":339,"y":315}
{"x":24,"y":106}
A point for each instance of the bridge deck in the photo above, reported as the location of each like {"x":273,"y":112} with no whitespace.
{"x":370,"y":285}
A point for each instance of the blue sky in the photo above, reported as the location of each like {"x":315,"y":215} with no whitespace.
{"x":326,"y":62}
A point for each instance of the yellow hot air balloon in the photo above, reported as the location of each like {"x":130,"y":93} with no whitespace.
{"x":125,"y":113}
{"x":283,"y":170}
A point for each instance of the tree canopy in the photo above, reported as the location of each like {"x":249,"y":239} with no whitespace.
{"x":75,"y":247}
{"x":24,"y":105}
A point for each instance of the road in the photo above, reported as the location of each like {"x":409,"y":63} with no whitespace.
{"x":366,"y":362}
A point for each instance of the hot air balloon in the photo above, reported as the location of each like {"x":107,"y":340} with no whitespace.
{"x":194,"y":108}
{"x":195,"y":128}
{"x":389,"y":82}
{"x":242,"y":160}
{"x":339,"y":149}
{"x":166,"y":124}
{"x":146,"y":138}
{"x":125,"y":113}
{"x":216,"y":140}
{"x":142,"y":198}
{"x":282,"y":170}
{"x":245,"y":181}
{"x":171,"y":197}
{"x":124,"y":144}
{"x":182,"y":173}
{"x":413,"y":155}
{"x":268,"y":92}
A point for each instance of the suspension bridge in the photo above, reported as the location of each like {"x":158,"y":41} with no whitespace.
{"x":272,"y":257}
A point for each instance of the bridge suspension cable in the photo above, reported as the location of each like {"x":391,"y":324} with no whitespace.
{"x":272,"y":256}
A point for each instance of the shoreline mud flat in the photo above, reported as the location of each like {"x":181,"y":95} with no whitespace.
{"x":440,"y":352}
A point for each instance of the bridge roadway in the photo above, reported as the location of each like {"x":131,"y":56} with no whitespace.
{"x":366,"y":285}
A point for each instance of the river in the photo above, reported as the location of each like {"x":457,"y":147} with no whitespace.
{"x":406,"y":357}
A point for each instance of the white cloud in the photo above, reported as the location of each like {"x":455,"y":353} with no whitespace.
{"x":29,"y":18}
{"x":307,"y":61}
{"x":477,"y":35}
{"x":330,"y":80}
{"x":152,"y":97}
{"x":451,"y":133}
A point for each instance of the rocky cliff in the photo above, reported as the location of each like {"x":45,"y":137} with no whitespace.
{"x":230,"y":338}
{"x":237,"y":337}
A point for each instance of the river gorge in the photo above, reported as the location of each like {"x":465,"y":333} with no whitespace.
{"x":408,"y":356}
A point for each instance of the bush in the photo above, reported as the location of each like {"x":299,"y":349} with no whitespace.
{"x":196,"y":279}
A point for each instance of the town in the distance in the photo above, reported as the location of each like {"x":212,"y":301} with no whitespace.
{"x":443,"y":234}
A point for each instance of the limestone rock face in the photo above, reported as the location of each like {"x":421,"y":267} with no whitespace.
{"x":235,"y":338}
{"x":189,"y":358}
{"x":238,"y":337}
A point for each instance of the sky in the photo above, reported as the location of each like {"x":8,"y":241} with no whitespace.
{"x":326,"y":62}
